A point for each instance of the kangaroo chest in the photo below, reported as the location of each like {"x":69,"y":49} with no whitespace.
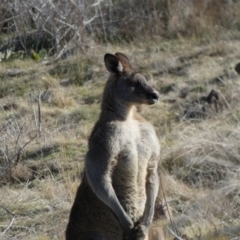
{"x":140,"y":143}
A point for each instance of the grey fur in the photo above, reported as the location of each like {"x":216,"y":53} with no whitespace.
{"x":116,"y":197}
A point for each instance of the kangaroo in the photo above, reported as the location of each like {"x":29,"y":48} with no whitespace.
{"x":117,"y":194}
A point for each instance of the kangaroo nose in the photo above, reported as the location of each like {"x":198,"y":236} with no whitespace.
{"x":155,"y":96}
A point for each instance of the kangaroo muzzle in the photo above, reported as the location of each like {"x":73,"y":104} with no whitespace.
{"x":153,"y":97}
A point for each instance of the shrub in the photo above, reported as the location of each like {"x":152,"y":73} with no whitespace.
{"x":61,"y":25}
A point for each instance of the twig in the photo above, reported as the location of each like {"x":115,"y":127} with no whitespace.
{"x":226,"y":102}
{"x":87,"y":22}
{"x":97,"y":3}
{"x":18,"y":152}
{"x":13,"y":116}
{"x":20,"y":149}
{"x":5,"y":125}
{"x":10,"y":224}
{"x":102,"y":20}
{"x":17,"y":30}
{"x":74,"y":27}
{"x":34,"y":113}
{"x":18,"y":137}
{"x":174,"y":234}
{"x":164,"y":196}
{"x":39,"y":115}
{"x":8,"y":211}
{"x":62,"y":51}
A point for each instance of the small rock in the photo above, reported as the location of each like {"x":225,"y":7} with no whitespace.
{"x":237,"y":68}
{"x":10,"y":106}
{"x":65,"y":82}
{"x":14,"y":72}
{"x":183,"y":92}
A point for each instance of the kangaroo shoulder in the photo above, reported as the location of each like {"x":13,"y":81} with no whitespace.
{"x":149,"y":134}
{"x":147,"y":129}
{"x":105,"y":135}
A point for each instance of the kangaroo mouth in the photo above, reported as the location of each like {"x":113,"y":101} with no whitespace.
{"x":153,"y":98}
{"x":152,"y":101}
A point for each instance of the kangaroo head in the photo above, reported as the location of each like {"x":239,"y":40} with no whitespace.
{"x":128,"y":86}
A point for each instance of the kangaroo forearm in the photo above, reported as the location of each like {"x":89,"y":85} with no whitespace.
{"x":151,"y":190}
{"x":124,"y":219}
{"x":106,"y":194}
{"x":148,"y":216}
{"x":110,"y":199}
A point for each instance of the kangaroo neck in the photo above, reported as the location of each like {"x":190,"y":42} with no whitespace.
{"x":114,"y":110}
{"x":113,"y":107}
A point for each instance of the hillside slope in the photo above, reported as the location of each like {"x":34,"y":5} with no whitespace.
{"x":47,"y":112}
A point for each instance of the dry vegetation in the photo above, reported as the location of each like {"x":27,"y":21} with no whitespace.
{"x":48,"y":108}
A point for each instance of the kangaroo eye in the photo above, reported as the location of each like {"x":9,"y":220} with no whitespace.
{"x":133,"y":84}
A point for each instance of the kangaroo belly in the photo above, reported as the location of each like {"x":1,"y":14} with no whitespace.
{"x":129,"y":180}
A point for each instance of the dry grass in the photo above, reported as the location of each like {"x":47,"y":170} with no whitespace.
{"x":200,"y":157}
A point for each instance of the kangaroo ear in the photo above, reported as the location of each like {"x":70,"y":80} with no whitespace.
{"x":112,"y":63}
{"x":124,"y":60}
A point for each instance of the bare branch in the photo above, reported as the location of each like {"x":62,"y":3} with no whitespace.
{"x":8,"y":211}
{"x":6,"y":125}
{"x":74,"y":27}
{"x":10,"y":224}
{"x":39,"y":115}
{"x":34,"y":113}
{"x":174,"y":234}
{"x":97,"y":3}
